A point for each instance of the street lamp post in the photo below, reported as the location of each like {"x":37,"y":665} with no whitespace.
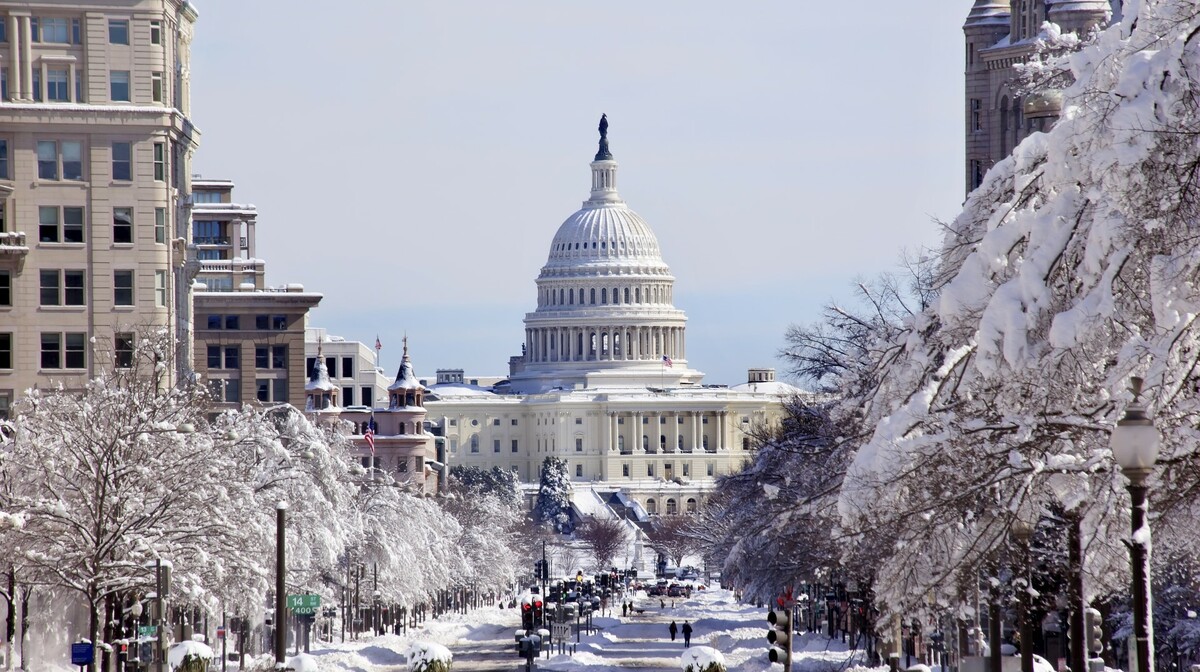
{"x":1023,"y":530}
{"x":1135,"y":443}
{"x":280,"y":589}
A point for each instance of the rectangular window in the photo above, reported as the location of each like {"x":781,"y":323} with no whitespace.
{"x":79,"y":86}
{"x":686,"y":470}
{"x":709,"y":468}
{"x":214,"y":321}
{"x":263,"y":389}
{"x":122,"y":225}
{"x":347,"y":367}
{"x":51,"y":351}
{"x":625,"y":470}
{"x":650,"y":469}
{"x":514,"y":422}
{"x":118,"y":31}
{"x":232,"y":322}
{"x":57,"y":85}
{"x":156,"y":32}
{"x":233,"y":356}
{"x":123,"y":351}
{"x":6,"y":351}
{"x":214,"y":356}
{"x":976,"y":114}
{"x":122,"y":161}
{"x":37,"y":84}
{"x":52,"y":31}
{"x":579,"y":445}
{"x":226,"y":389}
{"x":579,"y":421}
{"x":3,"y":82}
{"x":402,"y":465}
{"x":347,"y":396}
{"x":278,"y":356}
{"x":279,"y":323}
{"x":47,"y":158}
{"x":331,"y":366}
{"x":3,"y":158}
{"x":260,"y":321}
{"x":368,"y":396}
{"x":123,"y":288}
{"x":514,"y":445}
{"x":118,"y":86}
{"x":495,"y":445}
{"x":160,"y":289}
{"x":5,"y":288}
{"x":48,"y":224}
{"x":279,"y":390}
{"x":50,"y":288}
{"x":160,"y":226}
{"x":262,"y":357}
{"x":72,"y":225}
{"x":72,"y":160}
{"x":156,"y":87}
{"x":160,"y":162}
{"x":496,"y":422}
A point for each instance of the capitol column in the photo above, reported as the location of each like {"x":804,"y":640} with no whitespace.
{"x":616,"y":431}
{"x":697,"y":442}
{"x":637,"y":432}
{"x":675,"y":431}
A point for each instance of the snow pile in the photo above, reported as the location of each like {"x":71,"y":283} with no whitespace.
{"x":189,"y":656}
{"x":303,"y":663}
{"x":702,"y":659}
{"x":428,"y":657}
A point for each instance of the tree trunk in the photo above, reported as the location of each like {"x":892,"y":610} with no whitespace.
{"x":24,"y":625}
{"x":94,"y":627}
{"x":10,"y":618}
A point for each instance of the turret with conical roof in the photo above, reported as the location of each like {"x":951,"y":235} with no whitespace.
{"x":407,"y":391}
{"x":320,"y":394}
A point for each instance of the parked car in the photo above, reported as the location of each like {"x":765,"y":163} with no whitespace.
{"x":675,"y":590}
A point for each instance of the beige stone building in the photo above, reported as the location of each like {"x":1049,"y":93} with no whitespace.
{"x":999,"y":35}
{"x":95,"y":147}
{"x":249,"y":338}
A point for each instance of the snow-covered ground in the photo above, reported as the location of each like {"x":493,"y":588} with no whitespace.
{"x":483,"y":640}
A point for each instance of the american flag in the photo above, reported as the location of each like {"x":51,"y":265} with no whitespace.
{"x":369,"y":435}
{"x":378,"y":344}
{"x":667,"y":361}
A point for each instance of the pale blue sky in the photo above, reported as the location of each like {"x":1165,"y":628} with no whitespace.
{"x":412,"y":160}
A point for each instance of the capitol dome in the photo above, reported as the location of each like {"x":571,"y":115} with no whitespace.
{"x":604,"y":313}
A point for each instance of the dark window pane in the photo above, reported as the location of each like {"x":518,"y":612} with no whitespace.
{"x":278,"y":356}
{"x":260,"y":321}
{"x":73,"y":293}
{"x":51,"y":351}
{"x":214,"y":356}
{"x":47,"y":158}
{"x":6,"y":353}
{"x":72,"y":225}
{"x":232,"y":358}
{"x":122,"y":161}
{"x":279,"y":322}
{"x":264,"y":390}
{"x":49,"y":288}
{"x":232,"y":322}
{"x":5,"y":288}
{"x":214,"y":321}
{"x":123,"y":288}
{"x":124,"y":351}
{"x":122,"y":225}
{"x":76,"y":356}
{"x":262,"y":359}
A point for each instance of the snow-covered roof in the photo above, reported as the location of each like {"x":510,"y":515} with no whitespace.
{"x":776,"y":388}
{"x":405,"y":379}
{"x":445,"y":390}
{"x":319,"y":380}
{"x":588,"y":502}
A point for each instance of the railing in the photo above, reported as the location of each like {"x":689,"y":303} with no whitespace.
{"x":13,"y":242}
{"x":210,"y":240}
{"x":230,"y":266}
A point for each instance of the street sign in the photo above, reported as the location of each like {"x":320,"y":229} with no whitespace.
{"x":304,"y":605}
{"x":147,"y":630}
{"x":81,"y":653}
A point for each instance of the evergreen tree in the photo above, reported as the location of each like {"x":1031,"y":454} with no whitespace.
{"x":554,"y":495}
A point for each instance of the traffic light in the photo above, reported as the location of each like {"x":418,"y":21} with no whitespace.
{"x":527,"y":615}
{"x":538,"y":616}
{"x":1095,"y":632}
{"x":780,"y":637}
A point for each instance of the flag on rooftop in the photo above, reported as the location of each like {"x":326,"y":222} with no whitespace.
{"x":667,"y":361}
{"x":378,"y":345}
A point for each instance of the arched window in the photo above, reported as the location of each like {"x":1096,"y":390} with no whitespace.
{"x":571,"y":296}
{"x":626,"y":295}
{"x":691,"y":505}
{"x":474,"y":443}
{"x":621,"y":443}
{"x":604,"y":295}
{"x":593,"y":294}
{"x":651,"y":506}
{"x":662,"y":442}
{"x":671,"y":507}
{"x":645,"y":442}
{"x":562,"y":298}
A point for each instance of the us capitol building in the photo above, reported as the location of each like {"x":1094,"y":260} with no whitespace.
{"x":603,"y":380}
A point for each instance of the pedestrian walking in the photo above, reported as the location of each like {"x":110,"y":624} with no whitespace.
{"x":687,"y":634}
{"x":674,"y":629}
{"x":624,"y":609}
{"x":662,"y":604}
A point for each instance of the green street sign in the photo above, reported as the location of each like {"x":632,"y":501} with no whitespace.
{"x":147,"y":630}
{"x":303,"y":604}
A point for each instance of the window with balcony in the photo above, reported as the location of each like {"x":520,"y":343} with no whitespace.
{"x":118,"y":86}
{"x":123,"y":350}
{"x":122,"y":225}
{"x":64,"y":350}
{"x":122,"y":161}
{"x":208,"y":232}
{"x":123,"y":288}
{"x":118,"y":31}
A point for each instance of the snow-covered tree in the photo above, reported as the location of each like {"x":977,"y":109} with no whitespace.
{"x":553,"y":506}
{"x":605,"y":537}
{"x":110,"y":477}
{"x":498,"y":482}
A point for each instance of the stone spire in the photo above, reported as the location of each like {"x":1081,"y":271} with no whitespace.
{"x":320,"y":393}
{"x":407,"y":390}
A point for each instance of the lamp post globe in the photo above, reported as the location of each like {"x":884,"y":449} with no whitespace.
{"x":1135,"y":445}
